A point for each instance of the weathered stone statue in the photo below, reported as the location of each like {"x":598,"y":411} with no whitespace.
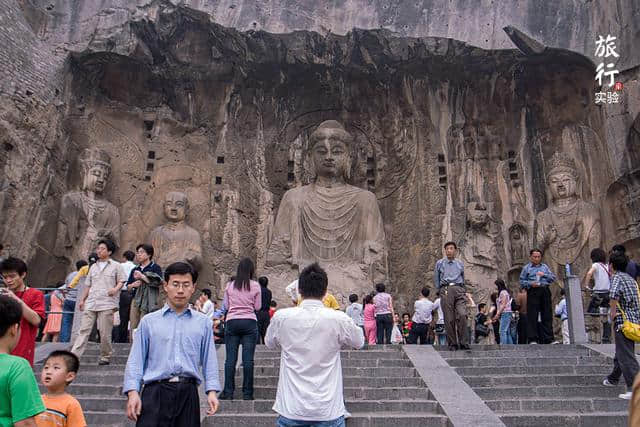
{"x":569,"y":224}
{"x":330,"y":221}
{"x":86,"y":216}
{"x":479,"y":251}
{"x":567,"y":230}
{"x":175,"y":240}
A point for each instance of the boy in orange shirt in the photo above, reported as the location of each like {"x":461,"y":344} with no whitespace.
{"x":63,"y":410}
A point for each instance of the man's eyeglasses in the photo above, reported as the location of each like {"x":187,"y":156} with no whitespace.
{"x":185,"y":286}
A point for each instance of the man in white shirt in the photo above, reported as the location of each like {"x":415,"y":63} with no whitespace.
{"x":422,"y":318}
{"x":205,"y":305}
{"x":354,"y":311}
{"x":310,"y":390}
{"x":292,"y":291}
{"x":121,"y":332}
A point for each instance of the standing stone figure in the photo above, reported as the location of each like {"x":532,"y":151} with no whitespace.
{"x":86,"y":217}
{"x":330,"y":221}
{"x":569,"y":227}
{"x":175,"y":241}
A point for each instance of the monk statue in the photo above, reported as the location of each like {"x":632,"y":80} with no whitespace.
{"x":86,"y":216}
{"x":175,"y":240}
{"x":569,"y":226}
{"x":330,"y":221}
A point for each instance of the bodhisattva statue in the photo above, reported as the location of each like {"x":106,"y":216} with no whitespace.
{"x":175,"y":240}
{"x":568,"y":230}
{"x":86,"y":216}
{"x":330,"y":221}
{"x":569,"y":226}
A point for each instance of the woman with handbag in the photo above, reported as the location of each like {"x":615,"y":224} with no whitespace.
{"x":504,"y":313}
{"x":625,"y":315}
{"x":484,"y":329}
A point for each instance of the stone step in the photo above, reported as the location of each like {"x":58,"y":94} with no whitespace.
{"x":108,"y":418}
{"x":571,"y":352}
{"x":345,"y":354}
{"x":534,"y":380}
{"x":353,"y":406}
{"x":116,"y":401}
{"x":485,"y":371}
{"x":596,"y":419}
{"x":116,"y":380}
{"x":522,"y":348}
{"x":496,"y":393}
{"x":566,"y":404}
{"x":528,"y":361}
{"x":382,"y":419}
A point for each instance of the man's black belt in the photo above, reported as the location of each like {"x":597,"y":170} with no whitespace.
{"x":175,"y":380}
{"x":452,"y":284}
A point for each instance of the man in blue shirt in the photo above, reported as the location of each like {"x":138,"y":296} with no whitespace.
{"x":168,"y":349}
{"x":536,"y":278}
{"x":448,"y":276}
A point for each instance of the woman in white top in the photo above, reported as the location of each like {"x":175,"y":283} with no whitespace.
{"x":504,"y":313}
{"x":600,"y":275}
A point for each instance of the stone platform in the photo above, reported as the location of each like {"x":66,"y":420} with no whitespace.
{"x":408,"y":386}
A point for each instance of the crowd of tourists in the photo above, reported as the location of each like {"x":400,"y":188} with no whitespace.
{"x":173,"y":327}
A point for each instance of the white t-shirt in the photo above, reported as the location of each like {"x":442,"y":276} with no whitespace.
{"x":601,"y":277}
{"x":127,"y":266}
{"x":208,"y":308}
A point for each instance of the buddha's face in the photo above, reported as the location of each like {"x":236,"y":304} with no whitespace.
{"x":175,"y":206}
{"x":330,"y":154}
{"x":562,"y":185}
{"x":95,"y":178}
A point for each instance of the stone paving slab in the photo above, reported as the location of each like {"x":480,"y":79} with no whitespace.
{"x":459,"y":402}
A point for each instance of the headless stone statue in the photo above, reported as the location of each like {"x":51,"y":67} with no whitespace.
{"x":175,"y":240}
{"x":85,"y":216}
{"x":330,"y":221}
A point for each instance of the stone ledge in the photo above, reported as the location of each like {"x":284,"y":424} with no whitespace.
{"x":459,"y":402}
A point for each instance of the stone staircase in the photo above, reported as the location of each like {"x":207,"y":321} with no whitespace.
{"x":381,"y":388}
{"x":543,"y":385}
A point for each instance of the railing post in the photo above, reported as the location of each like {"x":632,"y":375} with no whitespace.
{"x":575,"y":310}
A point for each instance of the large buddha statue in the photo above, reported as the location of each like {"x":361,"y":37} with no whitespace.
{"x":570,"y":227}
{"x":330,"y":221}
{"x":86,"y":216}
{"x":175,"y":240}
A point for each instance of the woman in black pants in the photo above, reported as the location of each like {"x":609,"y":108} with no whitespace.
{"x":384,"y":314}
{"x":263,"y":313}
{"x":242,"y":297}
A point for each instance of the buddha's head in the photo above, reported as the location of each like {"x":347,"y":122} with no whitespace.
{"x":96,"y":168}
{"x":562,"y":177}
{"x":331,"y":150}
{"x":176,"y":205}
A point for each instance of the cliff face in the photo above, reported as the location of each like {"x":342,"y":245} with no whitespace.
{"x":454,"y":140}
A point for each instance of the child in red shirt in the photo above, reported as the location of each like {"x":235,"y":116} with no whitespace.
{"x":13,"y":271}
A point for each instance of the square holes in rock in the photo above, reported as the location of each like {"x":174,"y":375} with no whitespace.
{"x":291,"y":177}
{"x":440,"y":158}
{"x":149,"y":167}
{"x":218,"y":180}
{"x":151,"y":155}
{"x":220,"y":160}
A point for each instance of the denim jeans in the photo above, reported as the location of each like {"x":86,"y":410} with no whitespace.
{"x":67,"y":321}
{"x":505,"y":328}
{"x":239,"y":332}
{"x":286,"y":422}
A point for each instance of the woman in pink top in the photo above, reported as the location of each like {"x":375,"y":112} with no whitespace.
{"x":369,"y":320}
{"x":241,"y":299}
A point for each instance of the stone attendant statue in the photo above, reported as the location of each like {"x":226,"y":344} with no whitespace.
{"x":86,"y":216}
{"x":567,"y":230}
{"x":569,"y":226}
{"x":176,"y":241}
{"x":330,"y":221}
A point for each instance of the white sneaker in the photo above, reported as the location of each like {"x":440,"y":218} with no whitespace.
{"x":347,"y":414}
{"x":533,"y":342}
{"x":625,"y":396}
{"x":608,"y":383}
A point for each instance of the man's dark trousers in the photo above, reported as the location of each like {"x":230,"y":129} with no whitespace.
{"x":122,"y":330}
{"x":625,"y":362}
{"x":539,"y":302}
{"x":455,"y":314}
{"x":166,"y":404}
